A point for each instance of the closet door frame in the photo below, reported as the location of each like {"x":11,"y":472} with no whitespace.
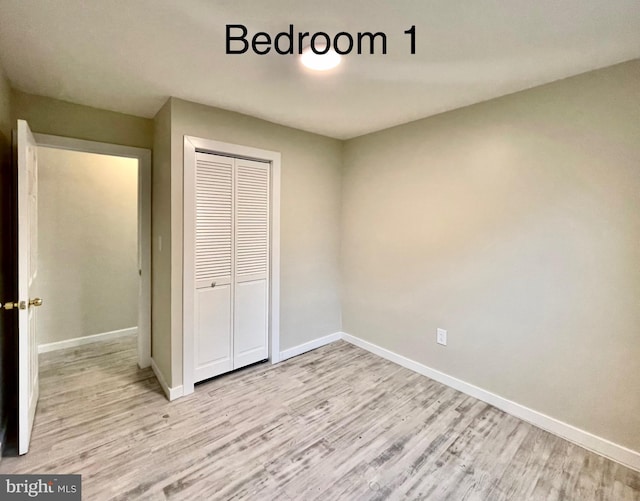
{"x":191,"y":146}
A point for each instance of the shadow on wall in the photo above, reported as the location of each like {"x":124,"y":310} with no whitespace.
{"x":8,"y":292}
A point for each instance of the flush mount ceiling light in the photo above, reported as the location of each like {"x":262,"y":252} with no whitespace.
{"x":322,"y":59}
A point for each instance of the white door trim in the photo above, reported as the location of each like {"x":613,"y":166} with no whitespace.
{"x":191,"y":145}
{"x":144,"y":222}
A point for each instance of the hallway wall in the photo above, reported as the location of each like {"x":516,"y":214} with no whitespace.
{"x":87,"y":244}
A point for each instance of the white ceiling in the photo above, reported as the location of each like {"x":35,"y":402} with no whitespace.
{"x":130,"y":55}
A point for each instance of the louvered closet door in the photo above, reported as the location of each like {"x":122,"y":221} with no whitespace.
{"x":251,"y":305}
{"x":213,"y":266}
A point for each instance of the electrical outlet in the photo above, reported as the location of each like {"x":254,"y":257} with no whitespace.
{"x":441,"y":336}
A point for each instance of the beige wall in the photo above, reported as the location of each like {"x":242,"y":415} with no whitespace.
{"x":310,"y":207}
{"x":87,"y":244}
{"x":161,"y":230}
{"x":60,"y":118}
{"x":515,"y":225}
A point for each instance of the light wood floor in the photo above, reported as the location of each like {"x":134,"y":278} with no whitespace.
{"x":336,"y":423}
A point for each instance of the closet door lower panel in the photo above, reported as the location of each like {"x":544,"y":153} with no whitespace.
{"x":250,"y":330}
{"x":213,"y":336}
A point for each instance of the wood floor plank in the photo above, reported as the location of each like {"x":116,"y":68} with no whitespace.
{"x":336,"y":423}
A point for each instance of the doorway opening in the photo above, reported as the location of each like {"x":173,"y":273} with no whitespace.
{"x":72,"y":239}
{"x":93,"y":244}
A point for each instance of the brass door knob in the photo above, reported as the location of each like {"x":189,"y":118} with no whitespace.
{"x":17,"y":306}
{"x":35,"y":302}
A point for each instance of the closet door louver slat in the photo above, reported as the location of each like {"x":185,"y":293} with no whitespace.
{"x":214,"y":219}
{"x":252,"y":220}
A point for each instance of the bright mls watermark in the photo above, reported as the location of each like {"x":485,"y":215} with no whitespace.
{"x":49,"y":487}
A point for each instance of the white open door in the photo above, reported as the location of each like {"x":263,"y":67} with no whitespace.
{"x":27,"y":269}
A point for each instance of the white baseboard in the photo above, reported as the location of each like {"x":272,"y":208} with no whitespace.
{"x":599,"y":445}
{"x":311,"y":345}
{"x":79,"y":341}
{"x":171,"y":393}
